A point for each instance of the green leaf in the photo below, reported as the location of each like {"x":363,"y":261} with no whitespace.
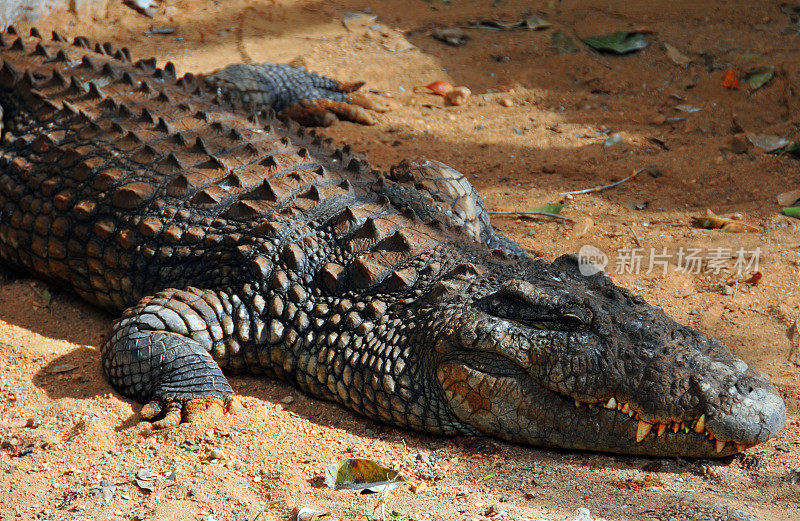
{"x":549,"y":208}
{"x":362,"y":474}
{"x":563,"y":43}
{"x":792,"y":211}
{"x":189,"y":447}
{"x":759,"y":76}
{"x":621,"y":42}
{"x":488,"y":477}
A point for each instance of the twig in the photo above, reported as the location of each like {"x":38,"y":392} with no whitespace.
{"x":598,"y":188}
{"x":794,"y":349}
{"x":635,"y":237}
{"x":532,"y":212}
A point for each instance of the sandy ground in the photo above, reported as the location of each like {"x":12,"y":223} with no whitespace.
{"x":70,"y":448}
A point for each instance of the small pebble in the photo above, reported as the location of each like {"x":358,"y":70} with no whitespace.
{"x":583,"y":514}
{"x":495,"y":510}
{"x":506,"y":102}
{"x":458,"y":95}
{"x":216,"y":454}
{"x":304,"y":514}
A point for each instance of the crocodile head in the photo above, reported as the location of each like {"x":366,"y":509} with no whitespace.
{"x":540,"y":354}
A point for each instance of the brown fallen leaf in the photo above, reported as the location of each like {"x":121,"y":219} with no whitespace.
{"x":677,"y":57}
{"x":788,"y":198}
{"x":440,"y":88}
{"x":713,"y":221}
{"x":753,"y":278}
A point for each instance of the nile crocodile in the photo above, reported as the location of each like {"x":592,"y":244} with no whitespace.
{"x":240,"y":242}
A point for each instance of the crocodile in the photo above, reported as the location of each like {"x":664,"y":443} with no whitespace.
{"x":232,"y":240}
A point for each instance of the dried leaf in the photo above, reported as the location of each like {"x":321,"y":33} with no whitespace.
{"x":713,"y":221}
{"x":145,"y":7}
{"x":768,"y":142}
{"x":146,"y":480}
{"x":362,"y":474}
{"x":439,"y":88}
{"x":107,"y":488}
{"x":61,"y":368}
{"x":685,"y":107}
{"x":788,"y":198}
{"x":582,"y":226}
{"x":306,"y":514}
{"x":452,"y":36}
{"x":358,"y":22}
{"x":677,"y":57}
{"x":534,"y":23}
{"x":753,"y":278}
{"x":730,"y":80}
{"x":621,"y":42}
{"x":759,"y":76}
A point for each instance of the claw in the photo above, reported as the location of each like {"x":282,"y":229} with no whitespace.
{"x":323,"y":113}
{"x":371,"y":104}
{"x":176,"y":412}
{"x":151,"y":410}
{"x":172,"y":417}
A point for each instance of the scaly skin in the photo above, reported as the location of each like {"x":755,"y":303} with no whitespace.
{"x":234,"y":245}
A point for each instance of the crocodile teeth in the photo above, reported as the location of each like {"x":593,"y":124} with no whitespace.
{"x":661,"y":428}
{"x":740,"y":447}
{"x":700,"y":426}
{"x":577,"y":403}
{"x":720,"y":445}
{"x":612,"y":403}
{"x":642,"y":430}
{"x":625,"y":408}
{"x":675,"y":427}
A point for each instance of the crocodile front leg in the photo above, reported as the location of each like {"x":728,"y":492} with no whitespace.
{"x":159,"y":353}
{"x":294,"y":92}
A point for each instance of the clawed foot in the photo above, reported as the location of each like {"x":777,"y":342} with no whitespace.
{"x":295,"y":93}
{"x":176,"y":411}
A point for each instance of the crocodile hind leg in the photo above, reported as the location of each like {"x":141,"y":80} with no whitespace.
{"x":159,"y":354}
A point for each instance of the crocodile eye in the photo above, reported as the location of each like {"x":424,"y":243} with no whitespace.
{"x":533,"y":315}
{"x":572,"y":321}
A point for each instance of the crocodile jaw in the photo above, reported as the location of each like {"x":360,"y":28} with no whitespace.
{"x":517,"y":409}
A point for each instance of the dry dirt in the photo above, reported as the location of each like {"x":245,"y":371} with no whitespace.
{"x":70,"y":447}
